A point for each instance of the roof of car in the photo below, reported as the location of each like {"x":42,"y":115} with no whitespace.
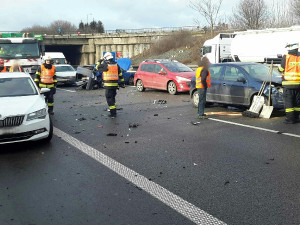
{"x":159,"y":60}
{"x":59,"y":65}
{"x":14,"y":74}
{"x":236,"y":63}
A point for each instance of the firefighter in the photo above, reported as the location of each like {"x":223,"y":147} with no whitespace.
{"x":290,"y":66}
{"x":202,"y":83}
{"x":111,"y":74}
{"x":45,"y":77}
{"x":2,"y":67}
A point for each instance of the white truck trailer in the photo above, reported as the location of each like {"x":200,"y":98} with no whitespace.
{"x":25,"y":49}
{"x":262,"y":46}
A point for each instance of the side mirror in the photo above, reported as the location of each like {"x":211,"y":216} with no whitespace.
{"x":162,"y":73}
{"x":241,"y":79}
{"x":44,"y":90}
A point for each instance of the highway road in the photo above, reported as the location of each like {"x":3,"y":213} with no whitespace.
{"x":155,"y":164}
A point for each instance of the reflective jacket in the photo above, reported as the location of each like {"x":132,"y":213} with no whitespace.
{"x":46,"y":77}
{"x":290,"y":66}
{"x":111,"y":74}
{"x":4,"y":69}
{"x":199,"y":83}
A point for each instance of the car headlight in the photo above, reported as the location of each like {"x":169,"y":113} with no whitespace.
{"x":182,"y":78}
{"x":40,"y":114}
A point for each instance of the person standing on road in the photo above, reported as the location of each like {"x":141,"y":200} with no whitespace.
{"x":16,"y":67}
{"x":2,"y":67}
{"x":202,"y":83}
{"x":290,"y":66}
{"x":111,"y":74}
{"x":46,"y":78}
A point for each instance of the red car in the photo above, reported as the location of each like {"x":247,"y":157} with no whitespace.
{"x":163,"y":74}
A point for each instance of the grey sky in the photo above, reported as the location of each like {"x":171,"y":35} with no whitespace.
{"x":114,"y":14}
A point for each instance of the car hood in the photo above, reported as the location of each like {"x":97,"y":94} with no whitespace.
{"x":275,"y":79}
{"x":66,"y":74}
{"x":186,"y":74}
{"x":21,"y":105}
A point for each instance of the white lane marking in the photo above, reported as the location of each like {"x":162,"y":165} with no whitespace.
{"x":185,"y":208}
{"x":254,"y":127}
{"x":65,"y":90}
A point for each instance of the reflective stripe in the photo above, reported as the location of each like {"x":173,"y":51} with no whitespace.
{"x":289,"y":110}
{"x":290,"y":82}
{"x":46,"y":85}
{"x":297,"y":109}
{"x":280,"y":69}
{"x":111,"y":84}
{"x":112,"y":107}
{"x":50,"y":104}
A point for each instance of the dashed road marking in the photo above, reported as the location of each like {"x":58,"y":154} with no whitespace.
{"x":65,"y":90}
{"x":185,"y":208}
{"x":254,"y":127}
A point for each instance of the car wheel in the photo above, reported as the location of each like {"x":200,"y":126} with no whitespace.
{"x":48,"y":139}
{"x":140,"y":86}
{"x":172,"y":88}
{"x":130,"y":80}
{"x":195,"y":98}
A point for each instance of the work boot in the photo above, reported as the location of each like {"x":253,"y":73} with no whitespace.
{"x":204,"y":116}
{"x":286,"y":121}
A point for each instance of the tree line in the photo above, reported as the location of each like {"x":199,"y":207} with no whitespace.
{"x":66,"y":28}
{"x":248,"y":14}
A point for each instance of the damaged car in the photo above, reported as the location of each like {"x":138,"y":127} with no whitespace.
{"x":237,"y":83}
{"x":24,"y":112}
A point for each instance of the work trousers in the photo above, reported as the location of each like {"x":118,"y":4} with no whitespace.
{"x":110,"y":95}
{"x":202,"y":101}
{"x":291,"y":99}
{"x":49,"y":97}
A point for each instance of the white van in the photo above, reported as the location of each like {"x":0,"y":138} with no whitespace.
{"x":55,"y":56}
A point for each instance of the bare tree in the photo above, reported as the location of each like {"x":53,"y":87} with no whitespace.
{"x":66,"y":27}
{"x":209,"y":9}
{"x":280,"y":15}
{"x":295,"y":9}
{"x":250,"y":14}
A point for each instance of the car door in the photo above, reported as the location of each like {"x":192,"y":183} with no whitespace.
{"x":213,"y":93}
{"x":234,"y":86}
{"x":146,"y":75}
{"x":160,"y":77}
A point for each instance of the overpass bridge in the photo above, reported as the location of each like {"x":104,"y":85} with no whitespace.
{"x":85,"y":49}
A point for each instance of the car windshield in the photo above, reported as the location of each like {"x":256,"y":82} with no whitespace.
{"x":176,"y":67}
{"x":19,"y":50}
{"x":64,"y":68}
{"x":260,"y":71}
{"x":12,"y":87}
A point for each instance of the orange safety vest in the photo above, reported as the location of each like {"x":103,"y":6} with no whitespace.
{"x":112,"y":73}
{"x":198,"y":78}
{"x":47,"y":75}
{"x":4,"y":69}
{"x":292,"y":68}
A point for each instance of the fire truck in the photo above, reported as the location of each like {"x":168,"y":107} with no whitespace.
{"x":22,"y":48}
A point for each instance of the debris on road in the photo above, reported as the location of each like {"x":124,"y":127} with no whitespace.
{"x":81,"y":119}
{"x":133,"y":125}
{"x":195,"y":123}
{"x":111,"y":134}
{"x":155,"y":114}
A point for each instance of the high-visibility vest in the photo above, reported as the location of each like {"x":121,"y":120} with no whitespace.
{"x":4,"y":69}
{"x":198,"y":78}
{"x":292,"y":70}
{"x":112,"y":73}
{"x":47,"y":75}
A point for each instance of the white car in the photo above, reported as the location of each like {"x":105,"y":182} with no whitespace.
{"x":23,"y":112}
{"x":65,"y":74}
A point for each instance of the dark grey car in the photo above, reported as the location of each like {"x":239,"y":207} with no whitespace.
{"x":237,"y":83}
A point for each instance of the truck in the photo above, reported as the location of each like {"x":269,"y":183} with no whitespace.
{"x":24,"y":48}
{"x":261,"y":46}
{"x":55,"y":56}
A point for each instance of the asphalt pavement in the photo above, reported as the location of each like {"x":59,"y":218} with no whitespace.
{"x":156,"y":163}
